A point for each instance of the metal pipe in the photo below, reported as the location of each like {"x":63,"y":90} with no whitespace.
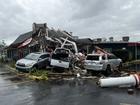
{"x":73,"y":43}
{"x":59,"y":41}
{"x":135,"y":51}
{"x":132,"y":80}
{"x":65,"y":40}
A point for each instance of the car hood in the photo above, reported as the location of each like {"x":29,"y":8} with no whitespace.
{"x":26,"y":61}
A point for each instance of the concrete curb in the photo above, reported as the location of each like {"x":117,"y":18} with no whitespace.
{"x":26,"y":75}
{"x":39,"y":78}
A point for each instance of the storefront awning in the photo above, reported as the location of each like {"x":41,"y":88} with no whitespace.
{"x":26,"y":42}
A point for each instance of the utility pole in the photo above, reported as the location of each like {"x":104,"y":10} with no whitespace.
{"x":136,"y":54}
{"x":136,"y":51}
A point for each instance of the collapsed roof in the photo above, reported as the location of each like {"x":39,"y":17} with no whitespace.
{"x":51,"y":33}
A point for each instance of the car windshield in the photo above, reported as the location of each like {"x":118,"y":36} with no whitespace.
{"x":32,"y":56}
{"x":92,"y":57}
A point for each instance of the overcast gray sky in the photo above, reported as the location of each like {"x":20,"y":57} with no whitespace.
{"x":85,"y":18}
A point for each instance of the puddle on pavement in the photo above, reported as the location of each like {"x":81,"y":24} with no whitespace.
{"x":15,"y":79}
{"x":126,"y":104}
{"x":7,"y":73}
{"x":12,"y":77}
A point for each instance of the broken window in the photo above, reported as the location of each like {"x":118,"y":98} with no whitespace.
{"x":91,"y":57}
{"x":64,"y":57}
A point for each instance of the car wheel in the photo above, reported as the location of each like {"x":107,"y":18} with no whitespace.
{"x":120,"y":67}
{"x":35,"y":67}
{"x":89,"y":72}
{"x":108,"y":70}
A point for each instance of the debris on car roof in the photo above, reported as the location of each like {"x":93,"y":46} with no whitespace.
{"x":99,"y":50}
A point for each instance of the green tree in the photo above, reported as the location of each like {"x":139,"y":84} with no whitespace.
{"x":2,"y":48}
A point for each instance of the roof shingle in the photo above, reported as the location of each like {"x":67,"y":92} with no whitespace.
{"x":22,"y":38}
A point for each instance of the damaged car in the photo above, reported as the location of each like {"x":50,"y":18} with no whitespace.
{"x":36,"y":60}
{"x":102,"y":62}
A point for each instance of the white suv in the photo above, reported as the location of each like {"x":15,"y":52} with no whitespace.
{"x":102,"y":62}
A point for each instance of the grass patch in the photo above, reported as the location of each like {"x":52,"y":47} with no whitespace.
{"x":36,"y":74}
{"x":132,"y":62}
{"x":2,"y":60}
{"x":12,"y":64}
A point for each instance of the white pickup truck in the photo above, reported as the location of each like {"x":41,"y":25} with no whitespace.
{"x":61,"y":58}
{"x":102,"y":62}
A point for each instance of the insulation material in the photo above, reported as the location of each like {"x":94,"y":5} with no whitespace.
{"x":132,"y":80}
{"x":101,"y":51}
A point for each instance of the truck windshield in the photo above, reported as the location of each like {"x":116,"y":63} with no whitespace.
{"x":63,"y":57}
{"x":91,"y":57}
{"x":62,"y":51}
{"x":32,"y":56}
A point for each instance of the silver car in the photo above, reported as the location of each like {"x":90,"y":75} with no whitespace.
{"x":33,"y":60}
{"x":102,"y":62}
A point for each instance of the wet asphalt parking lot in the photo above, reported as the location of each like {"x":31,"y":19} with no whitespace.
{"x":18,"y":91}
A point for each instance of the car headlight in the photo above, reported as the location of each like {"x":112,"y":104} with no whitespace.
{"x":31,"y":64}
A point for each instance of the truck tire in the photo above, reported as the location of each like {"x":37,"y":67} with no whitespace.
{"x":120,"y":67}
{"x":108,"y":70}
{"x":89,"y":72}
{"x":35,"y":67}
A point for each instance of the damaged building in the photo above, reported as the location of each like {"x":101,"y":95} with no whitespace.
{"x":123,"y":49}
{"x":40,"y":39}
